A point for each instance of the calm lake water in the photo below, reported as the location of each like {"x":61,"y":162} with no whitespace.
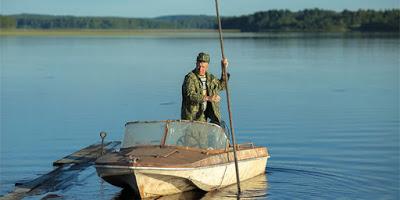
{"x":326,"y":106}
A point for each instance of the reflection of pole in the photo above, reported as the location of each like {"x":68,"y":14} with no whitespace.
{"x":225,"y":74}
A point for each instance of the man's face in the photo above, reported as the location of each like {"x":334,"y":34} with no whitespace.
{"x":202,"y":67}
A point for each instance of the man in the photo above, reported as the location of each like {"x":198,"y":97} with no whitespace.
{"x":200,"y":89}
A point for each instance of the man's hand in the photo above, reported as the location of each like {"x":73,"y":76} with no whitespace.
{"x":215,"y":98}
{"x":224,"y":63}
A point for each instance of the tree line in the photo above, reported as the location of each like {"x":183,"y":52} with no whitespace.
{"x":316,"y":20}
{"x":31,"y":21}
{"x":272,"y":20}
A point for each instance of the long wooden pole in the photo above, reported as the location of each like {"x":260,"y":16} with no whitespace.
{"x":225,"y":74}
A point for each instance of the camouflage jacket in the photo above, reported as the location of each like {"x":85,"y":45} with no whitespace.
{"x":192,"y":97}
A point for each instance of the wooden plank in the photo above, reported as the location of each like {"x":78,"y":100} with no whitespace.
{"x":32,"y":184}
{"x":60,"y":177}
{"x":17,"y":194}
{"x":87,"y":154}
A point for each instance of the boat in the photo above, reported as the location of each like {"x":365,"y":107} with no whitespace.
{"x":160,"y":158}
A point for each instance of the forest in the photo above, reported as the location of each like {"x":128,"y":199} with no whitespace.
{"x":316,"y":20}
{"x":264,"y":21}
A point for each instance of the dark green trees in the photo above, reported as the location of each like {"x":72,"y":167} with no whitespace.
{"x":316,"y":20}
{"x":7,"y":22}
{"x":272,"y":20}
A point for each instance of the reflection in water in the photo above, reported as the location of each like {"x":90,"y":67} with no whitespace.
{"x":127,"y":194}
{"x":253,"y":188}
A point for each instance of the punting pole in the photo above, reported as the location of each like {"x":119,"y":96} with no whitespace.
{"x":225,"y":74}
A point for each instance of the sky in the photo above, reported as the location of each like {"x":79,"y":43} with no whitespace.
{"x":155,"y":8}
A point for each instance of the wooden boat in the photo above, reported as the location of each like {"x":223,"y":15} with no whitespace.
{"x":166,"y":157}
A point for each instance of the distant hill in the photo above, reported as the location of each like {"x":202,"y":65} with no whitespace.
{"x":317,"y":20}
{"x":272,"y":20}
{"x":36,"y":21}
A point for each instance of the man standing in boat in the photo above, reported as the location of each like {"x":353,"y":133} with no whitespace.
{"x":200,"y":92}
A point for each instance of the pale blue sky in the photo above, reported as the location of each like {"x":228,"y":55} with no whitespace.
{"x":154,"y":8}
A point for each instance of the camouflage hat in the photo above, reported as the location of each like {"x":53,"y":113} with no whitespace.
{"x":203,"y":57}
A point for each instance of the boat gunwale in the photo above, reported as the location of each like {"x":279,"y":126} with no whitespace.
{"x":204,"y":151}
{"x":174,"y":168}
{"x":204,"y":159}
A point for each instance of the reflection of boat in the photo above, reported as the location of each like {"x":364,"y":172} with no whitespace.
{"x":166,"y":157}
{"x":127,"y":194}
{"x":254,"y":188}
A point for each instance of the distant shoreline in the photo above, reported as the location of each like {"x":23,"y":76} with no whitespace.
{"x":189,"y":33}
{"x":307,"y":20}
{"x":105,"y":32}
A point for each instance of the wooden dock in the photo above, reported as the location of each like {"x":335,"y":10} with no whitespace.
{"x":59,"y":177}
{"x":85,"y":155}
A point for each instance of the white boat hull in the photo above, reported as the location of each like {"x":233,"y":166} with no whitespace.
{"x":154,"y":181}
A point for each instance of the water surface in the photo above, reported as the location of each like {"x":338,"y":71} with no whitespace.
{"x":326,"y":106}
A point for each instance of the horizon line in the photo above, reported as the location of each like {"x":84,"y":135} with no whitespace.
{"x":167,"y":15}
